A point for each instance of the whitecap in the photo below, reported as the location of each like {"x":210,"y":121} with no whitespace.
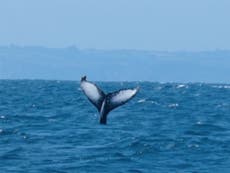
{"x":180,"y":86}
{"x":2,"y":117}
{"x":226,"y":86}
{"x":221,"y":86}
{"x":193,"y":146}
{"x":173,"y":105}
{"x":222,"y":105}
{"x":141,"y":101}
{"x":154,"y":102}
{"x":199,"y":122}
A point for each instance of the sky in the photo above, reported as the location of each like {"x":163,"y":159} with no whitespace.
{"x":168,"y":25}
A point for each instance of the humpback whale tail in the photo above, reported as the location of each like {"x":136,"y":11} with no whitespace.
{"x":106,"y":102}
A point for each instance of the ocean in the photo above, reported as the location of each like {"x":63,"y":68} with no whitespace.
{"x":51,"y":127}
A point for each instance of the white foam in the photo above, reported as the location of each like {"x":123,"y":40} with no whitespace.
{"x":180,"y":86}
{"x":154,"y":102}
{"x":227,"y":86}
{"x":173,"y":105}
{"x":193,"y":146}
{"x":221,"y":86}
{"x":222,"y":105}
{"x":141,"y":101}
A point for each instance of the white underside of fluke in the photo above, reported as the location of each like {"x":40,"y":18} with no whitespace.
{"x":90,"y":91}
{"x":123,"y":96}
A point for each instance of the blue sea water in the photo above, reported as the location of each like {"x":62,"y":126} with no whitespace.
{"x":50,"y":127}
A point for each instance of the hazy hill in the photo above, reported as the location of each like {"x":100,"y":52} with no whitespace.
{"x":132,"y":65}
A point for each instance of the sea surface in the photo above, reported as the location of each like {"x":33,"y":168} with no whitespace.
{"x":51,"y":127}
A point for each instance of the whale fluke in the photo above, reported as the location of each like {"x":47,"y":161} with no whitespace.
{"x":106,"y":102}
{"x":93,"y":93}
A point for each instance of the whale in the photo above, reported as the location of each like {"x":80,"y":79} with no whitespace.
{"x":106,"y":102}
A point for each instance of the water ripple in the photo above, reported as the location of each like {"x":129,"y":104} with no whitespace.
{"x":49,"y":126}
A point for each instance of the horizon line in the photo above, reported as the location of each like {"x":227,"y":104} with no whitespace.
{"x":12,"y":45}
{"x":115,"y":81}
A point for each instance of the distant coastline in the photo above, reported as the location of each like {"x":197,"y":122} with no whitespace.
{"x":35,"y":62}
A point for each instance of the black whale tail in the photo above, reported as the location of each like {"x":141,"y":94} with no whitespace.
{"x":106,"y":102}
